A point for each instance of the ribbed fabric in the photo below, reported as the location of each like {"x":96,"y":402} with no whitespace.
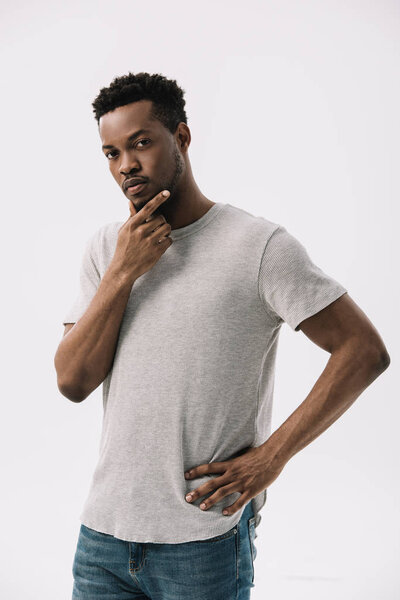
{"x":291,"y":286}
{"x":193,"y":373}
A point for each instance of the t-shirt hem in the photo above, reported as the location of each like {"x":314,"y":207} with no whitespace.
{"x":131,"y":536}
{"x":321,"y":303}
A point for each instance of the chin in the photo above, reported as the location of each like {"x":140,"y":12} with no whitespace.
{"x":142,"y":203}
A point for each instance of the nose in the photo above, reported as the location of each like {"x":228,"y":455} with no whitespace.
{"x":129,"y":163}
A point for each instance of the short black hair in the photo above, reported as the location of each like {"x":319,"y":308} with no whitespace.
{"x":168,"y":104}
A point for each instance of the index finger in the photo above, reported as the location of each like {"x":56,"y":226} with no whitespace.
{"x":147,"y":210}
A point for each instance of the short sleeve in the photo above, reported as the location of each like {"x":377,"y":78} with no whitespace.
{"x":89,"y":280}
{"x":291,"y":286}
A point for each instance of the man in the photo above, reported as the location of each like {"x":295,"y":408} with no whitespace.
{"x":178,"y":315}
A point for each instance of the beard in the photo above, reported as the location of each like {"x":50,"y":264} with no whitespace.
{"x":172,"y":183}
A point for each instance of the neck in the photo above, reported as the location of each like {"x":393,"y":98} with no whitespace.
{"x":186,"y":204}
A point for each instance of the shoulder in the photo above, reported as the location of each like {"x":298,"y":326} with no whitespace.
{"x":250,"y":224}
{"x":104,"y":238}
{"x":106,"y":231}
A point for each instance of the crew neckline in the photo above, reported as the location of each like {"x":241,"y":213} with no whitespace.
{"x":212,"y":212}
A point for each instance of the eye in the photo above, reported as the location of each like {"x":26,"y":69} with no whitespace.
{"x":144,"y":140}
{"x":139,"y":142}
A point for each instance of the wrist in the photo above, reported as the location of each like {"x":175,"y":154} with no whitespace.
{"x":274,"y":452}
{"x":117,"y":276}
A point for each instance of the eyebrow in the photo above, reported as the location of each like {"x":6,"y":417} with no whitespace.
{"x":133,"y":136}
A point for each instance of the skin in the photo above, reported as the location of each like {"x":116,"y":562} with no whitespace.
{"x":357,"y":357}
{"x":159,"y":156}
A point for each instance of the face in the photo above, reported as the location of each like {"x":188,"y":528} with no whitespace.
{"x":152,"y":155}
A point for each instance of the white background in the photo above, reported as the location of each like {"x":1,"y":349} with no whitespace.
{"x":293,"y":109}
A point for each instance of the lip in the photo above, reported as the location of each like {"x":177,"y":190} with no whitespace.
{"x":136,"y":189}
{"x":131,"y":181}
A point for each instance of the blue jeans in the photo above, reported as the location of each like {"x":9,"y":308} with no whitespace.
{"x":218,"y":568}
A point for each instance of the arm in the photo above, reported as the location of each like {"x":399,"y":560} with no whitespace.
{"x":358,"y":357}
{"x":85,"y":354}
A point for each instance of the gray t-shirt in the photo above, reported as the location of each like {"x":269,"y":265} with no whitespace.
{"x":193,"y":374}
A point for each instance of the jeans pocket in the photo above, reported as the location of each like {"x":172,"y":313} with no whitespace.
{"x":252,"y":536}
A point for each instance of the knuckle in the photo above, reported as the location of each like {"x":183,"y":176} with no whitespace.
{"x":133,"y":225}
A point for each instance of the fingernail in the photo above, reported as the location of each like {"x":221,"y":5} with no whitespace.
{"x":202,"y":505}
{"x":188,"y":497}
{"x":165,"y":193}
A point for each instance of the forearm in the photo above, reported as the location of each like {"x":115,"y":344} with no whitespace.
{"x":348,"y":372}
{"x":86,"y":353}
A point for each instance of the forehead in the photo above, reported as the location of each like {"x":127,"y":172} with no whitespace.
{"x":119,"y":123}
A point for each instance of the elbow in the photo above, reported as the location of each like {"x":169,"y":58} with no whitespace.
{"x":380,"y":358}
{"x":384,"y":360}
{"x":75,"y":384}
{"x":68,"y":387}
{"x":71,"y":392}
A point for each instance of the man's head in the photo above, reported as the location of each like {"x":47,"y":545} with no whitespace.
{"x":158,"y":154}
